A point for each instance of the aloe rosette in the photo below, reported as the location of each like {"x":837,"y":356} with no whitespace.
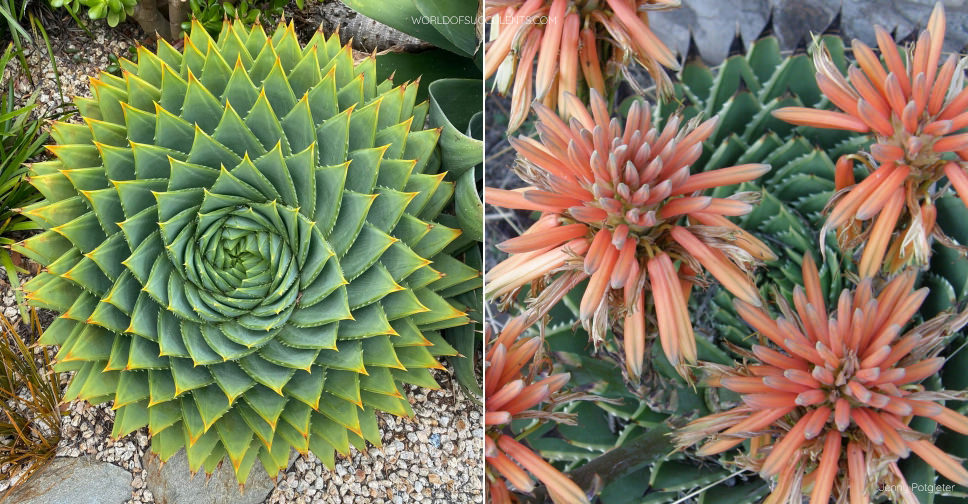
{"x":913,"y":110}
{"x":242,"y":239}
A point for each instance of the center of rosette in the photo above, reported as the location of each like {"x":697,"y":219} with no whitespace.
{"x":243,"y":264}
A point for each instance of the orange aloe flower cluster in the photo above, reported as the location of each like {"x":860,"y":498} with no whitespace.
{"x":828,"y":404}
{"x":913,"y":109}
{"x":621,"y":207}
{"x":511,"y":393}
{"x":561,"y":38}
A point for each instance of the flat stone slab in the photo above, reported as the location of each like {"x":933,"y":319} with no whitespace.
{"x":172,"y":483}
{"x":69,"y":480}
{"x":715,"y":22}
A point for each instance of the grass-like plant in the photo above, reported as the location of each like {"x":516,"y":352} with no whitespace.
{"x":22,"y":138}
{"x":30,"y":395}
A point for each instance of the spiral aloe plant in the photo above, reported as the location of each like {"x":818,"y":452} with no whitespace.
{"x":244,"y":241}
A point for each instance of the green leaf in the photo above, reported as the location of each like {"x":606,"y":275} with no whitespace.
{"x":231,"y":379}
{"x":429,"y":66}
{"x":162,"y":416}
{"x":324,"y":428}
{"x":307,"y":386}
{"x":187,"y":376}
{"x":454,"y":103}
{"x":290,"y":357}
{"x":212,"y":404}
{"x":266,"y":403}
{"x":129,"y":418}
{"x":271,"y":375}
{"x":349,"y":356}
{"x":236,"y":437}
{"x":469,"y":208}
{"x":467,"y":341}
{"x":344,"y":384}
{"x":234,"y":134}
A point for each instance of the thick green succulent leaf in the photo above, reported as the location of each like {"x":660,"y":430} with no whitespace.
{"x":428,"y":66}
{"x":453,"y":107}
{"x":414,"y":18}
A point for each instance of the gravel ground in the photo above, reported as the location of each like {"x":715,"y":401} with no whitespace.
{"x":77,"y":56}
{"x":435,"y":456}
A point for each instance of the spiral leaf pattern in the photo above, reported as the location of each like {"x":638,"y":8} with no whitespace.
{"x":243,"y":241}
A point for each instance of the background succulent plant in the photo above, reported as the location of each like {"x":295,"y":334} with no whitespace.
{"x":744,"y":91}
{"x":448,"y":24}
{"x":455,"y":107}
{"x":245,"y":242}
{"x":114,"y":11}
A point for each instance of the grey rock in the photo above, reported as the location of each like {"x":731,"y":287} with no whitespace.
{"x":715,"y":22}
{"x":81,"y":480}
{"x":172,"y":483}
{"x":367,"y":34}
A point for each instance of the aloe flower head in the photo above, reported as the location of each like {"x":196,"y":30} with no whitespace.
{"x":914,"y":106}
{"x":827,"y":398}
{"x":511,"y":390}
{"x":621,"y":207}
{"x":568,"y":42}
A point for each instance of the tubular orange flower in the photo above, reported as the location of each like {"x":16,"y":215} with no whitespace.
{"x":561,"y":39}
{"x":510,"y":390}
{"x":913,"y":108}
{"x":622,"y":208}
{"x":839,"y":384}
